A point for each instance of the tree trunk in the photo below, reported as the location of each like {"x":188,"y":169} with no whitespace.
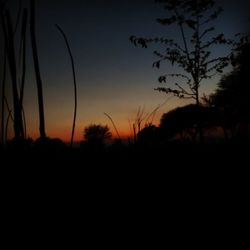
{"x":199,"y":129}
{"x":197,"y":98}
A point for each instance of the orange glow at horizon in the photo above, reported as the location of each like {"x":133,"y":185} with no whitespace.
{"x":123,"y":110}
{"x":113,"y":76}
{"x":121,"y":104}
{"x":64,"y":132}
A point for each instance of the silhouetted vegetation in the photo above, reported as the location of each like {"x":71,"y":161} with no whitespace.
{"x":3,"y":97}
{"x":233,"y":89}
{"x":8,"y":32}
{"x":115,"y":128}
{"x":149,"y":137}
{"x":218,"y":120}
{"x":193,"y":19}
{"x":96,"y":136}
{"x":17,"y":69}
{"x":37,"y":70}
{"x":75,"y":86}
{"x":232,"y":94}
{"x":184,"y":121}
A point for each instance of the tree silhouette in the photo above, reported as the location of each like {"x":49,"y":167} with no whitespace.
{"x":232,"y":94}
{"x":183,"y":121}
{"x":193,"y":19}
{"x":233,"y":88}
{"x":96,"y":135}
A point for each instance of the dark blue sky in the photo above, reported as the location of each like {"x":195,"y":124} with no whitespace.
{"x":113,"y":76}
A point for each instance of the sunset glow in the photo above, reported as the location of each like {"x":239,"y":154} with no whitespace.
{"x":112,"y":75}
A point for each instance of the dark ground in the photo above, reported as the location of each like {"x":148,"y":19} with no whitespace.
{"x":174,"y":188}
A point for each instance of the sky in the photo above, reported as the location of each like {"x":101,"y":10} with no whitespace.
{"x":113,"y":76}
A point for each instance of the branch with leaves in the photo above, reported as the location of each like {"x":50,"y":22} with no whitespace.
{"x":194,"y":53}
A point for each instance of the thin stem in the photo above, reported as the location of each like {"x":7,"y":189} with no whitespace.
{"x":3,"y":95}
{"x":75,"y":85}
{"x":197,"y":59}
{"x":186,"y":50}
{"x":18,"y":126}
{"x":23,"y":46}
{"x":23,"y":57}
{"x":37,"y":70}
{"x":130,"y":128}
{"x":110,"y":118}
{"x":8,"y":108}
{"x":24,"y":124}
{"x":7,"y":125}
{"x":153,"y":113}
{"x":18,"y":16}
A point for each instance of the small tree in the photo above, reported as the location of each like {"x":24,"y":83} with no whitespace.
{"x":96,"y":135}
{"x":193,"y":55}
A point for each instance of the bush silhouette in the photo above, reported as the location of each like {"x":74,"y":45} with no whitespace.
{"x":97,"y":135}
{"x":184,"y":120}
{"x":148,"y":136}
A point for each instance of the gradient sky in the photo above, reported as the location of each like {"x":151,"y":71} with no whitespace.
{"x":113,"y":76}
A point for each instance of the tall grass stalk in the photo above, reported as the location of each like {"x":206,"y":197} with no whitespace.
{"x":37,"y":70}
{"x":112,"y":121}
{"x":74,"y":80}
{"x":22,"y":58}
{"x":3,"y":96}
{"x":9,"y":38}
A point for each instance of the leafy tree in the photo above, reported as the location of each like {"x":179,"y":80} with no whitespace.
{"x":193,"y":55}
{"x":96,"y":135}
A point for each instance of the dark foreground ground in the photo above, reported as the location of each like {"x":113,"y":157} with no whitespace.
{"x":174,"y":169}
{"x":178,"y":187}
{"x":177,"y":169}
{"x":173,"y":156}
